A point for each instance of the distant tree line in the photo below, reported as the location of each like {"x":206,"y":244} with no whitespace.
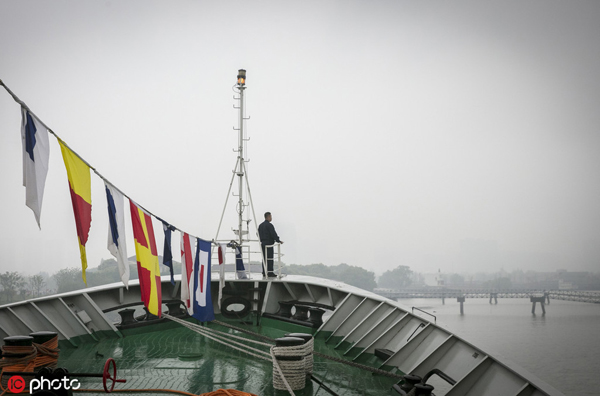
{"x":398,"y":278}
{"x":69,"y":279}
{"x":14,"y":286}
{"x":352,"y":275}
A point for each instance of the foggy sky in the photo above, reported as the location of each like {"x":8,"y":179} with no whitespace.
{"x":459,"y":135}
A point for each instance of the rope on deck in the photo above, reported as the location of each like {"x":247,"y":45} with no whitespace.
{"x":324,"y":356}
{"x":225,"y":339}
{"x":27,"y":359}
{"x":286,"y":372}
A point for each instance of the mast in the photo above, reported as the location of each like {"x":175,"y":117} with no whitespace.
{"x":242,"y":236}
{"x":241,"y":82}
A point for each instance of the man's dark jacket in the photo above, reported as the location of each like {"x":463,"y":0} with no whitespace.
{"x":267,"y":233}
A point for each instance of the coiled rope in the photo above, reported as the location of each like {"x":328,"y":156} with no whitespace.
{"x":27,"y":359}
{"x":288,"y":372}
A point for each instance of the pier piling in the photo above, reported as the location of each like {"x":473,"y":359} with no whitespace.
{"x":461,"y":300}
{"x":538,"y":299}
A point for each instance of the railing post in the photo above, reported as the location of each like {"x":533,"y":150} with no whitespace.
{"x":263,"y":254}
{"x":279,"y":259}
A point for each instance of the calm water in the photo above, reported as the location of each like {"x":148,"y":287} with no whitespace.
{"x":561,"y":348}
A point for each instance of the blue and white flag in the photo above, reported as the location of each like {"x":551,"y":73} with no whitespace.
{"x":36,"y":152}
{"x":116,"y":231}
{"x":202,"y":307}
{"x":239,"y":263}
{"x":167,"y":254}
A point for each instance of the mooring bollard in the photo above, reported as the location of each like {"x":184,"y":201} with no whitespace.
{"x":289,"y":354}
{"x":308,"y":350}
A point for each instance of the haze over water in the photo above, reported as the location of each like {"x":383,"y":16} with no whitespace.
{"x":562,"y":347}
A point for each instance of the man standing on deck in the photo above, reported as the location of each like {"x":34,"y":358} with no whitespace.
{"x":268,"y":236}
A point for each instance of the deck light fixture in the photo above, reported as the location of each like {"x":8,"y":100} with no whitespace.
{"x":241,"y":78}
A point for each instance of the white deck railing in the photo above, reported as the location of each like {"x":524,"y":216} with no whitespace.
{"x":247,"y":254}
{"x":276,"y":254}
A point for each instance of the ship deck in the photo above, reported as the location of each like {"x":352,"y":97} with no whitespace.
{"x":357,"y":326}
{"x":169,"y":356}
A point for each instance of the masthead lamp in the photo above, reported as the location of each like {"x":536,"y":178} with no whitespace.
{"x":241,"y":77}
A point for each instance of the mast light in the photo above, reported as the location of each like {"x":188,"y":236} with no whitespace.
{"x":241,"y":77}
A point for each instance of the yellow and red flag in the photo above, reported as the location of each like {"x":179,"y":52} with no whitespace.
{"x":147,"y":259}
{"x":80,"y":188}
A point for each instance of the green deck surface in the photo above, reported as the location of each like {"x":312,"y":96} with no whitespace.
{"x":168,"y":356}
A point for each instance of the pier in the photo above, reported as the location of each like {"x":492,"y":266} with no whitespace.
{"x":492,"y":294}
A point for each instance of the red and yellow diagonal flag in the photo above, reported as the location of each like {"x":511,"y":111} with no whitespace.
{"x":81,"y":198}
{"x":147,"y":259}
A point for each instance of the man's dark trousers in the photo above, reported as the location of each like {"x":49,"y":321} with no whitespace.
{"x":268,"y":254}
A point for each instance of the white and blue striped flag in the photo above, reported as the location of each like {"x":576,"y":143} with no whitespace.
{"x":36,"y":152}
{"x":116,"y":230}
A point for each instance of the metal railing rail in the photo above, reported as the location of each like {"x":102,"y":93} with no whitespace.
{"x":276,"y":254}
{"x":247,"y":253}
{"x":591,"y":296}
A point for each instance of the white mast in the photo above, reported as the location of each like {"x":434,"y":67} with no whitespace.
{"x":240,"y":172}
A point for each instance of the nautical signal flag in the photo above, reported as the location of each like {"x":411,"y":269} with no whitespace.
{"x":116,"y":230}
{"x":36,"y":152}
{"x":167,"y":254}
{"x":239,"y":261}
{"x":78,"y":173}
{"x":147,"y":259}
{"x":188,"y":248}
{"x":202,"y":308}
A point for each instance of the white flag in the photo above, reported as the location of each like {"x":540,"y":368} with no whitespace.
{"x":116,"y":231}
{"x":188,"y":248}
{"x":36,"y":152}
